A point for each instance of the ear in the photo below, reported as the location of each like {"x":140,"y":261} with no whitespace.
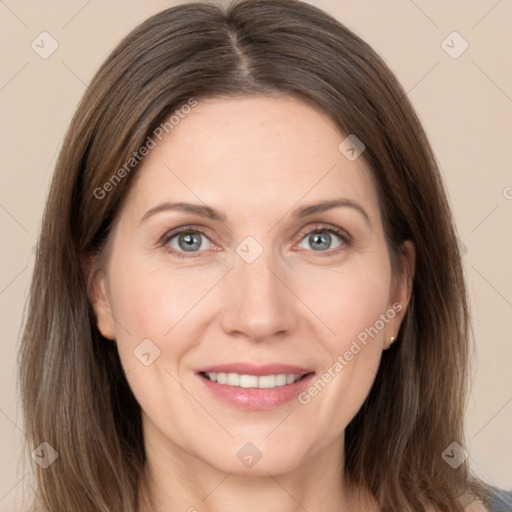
{"x":97,"y":291}
{"x":402,"y":286}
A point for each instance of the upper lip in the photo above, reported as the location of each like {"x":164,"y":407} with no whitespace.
{"x":253,"y":369}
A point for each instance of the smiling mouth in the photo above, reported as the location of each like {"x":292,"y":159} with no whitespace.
{"x":253,"y":381}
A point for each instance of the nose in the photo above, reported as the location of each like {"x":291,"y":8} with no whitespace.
{"x":260,"y":305}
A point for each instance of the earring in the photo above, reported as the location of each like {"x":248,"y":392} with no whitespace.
{"x":391,"y":340}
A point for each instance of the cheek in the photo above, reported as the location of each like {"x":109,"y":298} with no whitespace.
{"x":352,"y":302}
{"x":153,"y":308}
{"x":156,"y":302}
{"x":348,"y":300}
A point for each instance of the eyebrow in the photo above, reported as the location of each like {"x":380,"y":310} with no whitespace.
{"x":323,"y":206}
{"x":213,"y":214}
{"x":196,"y":209}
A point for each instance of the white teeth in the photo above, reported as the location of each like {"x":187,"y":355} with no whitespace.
{"x":253,"y":381}
{"x":233,"y":379}
{"x":281,"y":379}
{"x":248,"y":381}
{"x":267,"y":381}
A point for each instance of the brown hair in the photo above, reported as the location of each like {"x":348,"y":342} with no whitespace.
{"x":74,"y":392}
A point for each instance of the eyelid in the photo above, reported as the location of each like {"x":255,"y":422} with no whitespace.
{"x":180,"y":230}
{"x":172,"y":233}
{"x":322,"y":226}
{"x":307,"y":230}
{"x":346,"y":239}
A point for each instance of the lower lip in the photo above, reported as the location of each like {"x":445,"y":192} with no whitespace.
{"x":257,"y":399}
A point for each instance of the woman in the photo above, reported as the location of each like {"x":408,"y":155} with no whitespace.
{"x":248,"y":292}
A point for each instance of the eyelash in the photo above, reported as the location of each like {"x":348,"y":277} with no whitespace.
{"x":346,"y":239}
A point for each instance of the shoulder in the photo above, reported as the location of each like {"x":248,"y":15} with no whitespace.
{"x":495,"y":500}
{"x":500,"y":501}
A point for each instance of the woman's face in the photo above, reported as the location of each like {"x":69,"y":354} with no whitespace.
{"x":282,"y":274}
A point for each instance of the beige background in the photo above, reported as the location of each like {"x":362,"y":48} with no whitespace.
{"x":464,"y":103}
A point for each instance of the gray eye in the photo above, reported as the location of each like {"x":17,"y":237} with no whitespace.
{"x":319,"y":240}
{"x":188,"y":242}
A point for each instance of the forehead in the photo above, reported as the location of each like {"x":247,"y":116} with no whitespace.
{"x":252,"y":154}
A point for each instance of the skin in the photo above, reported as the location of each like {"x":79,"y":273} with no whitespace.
{"x":255,"y":159}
